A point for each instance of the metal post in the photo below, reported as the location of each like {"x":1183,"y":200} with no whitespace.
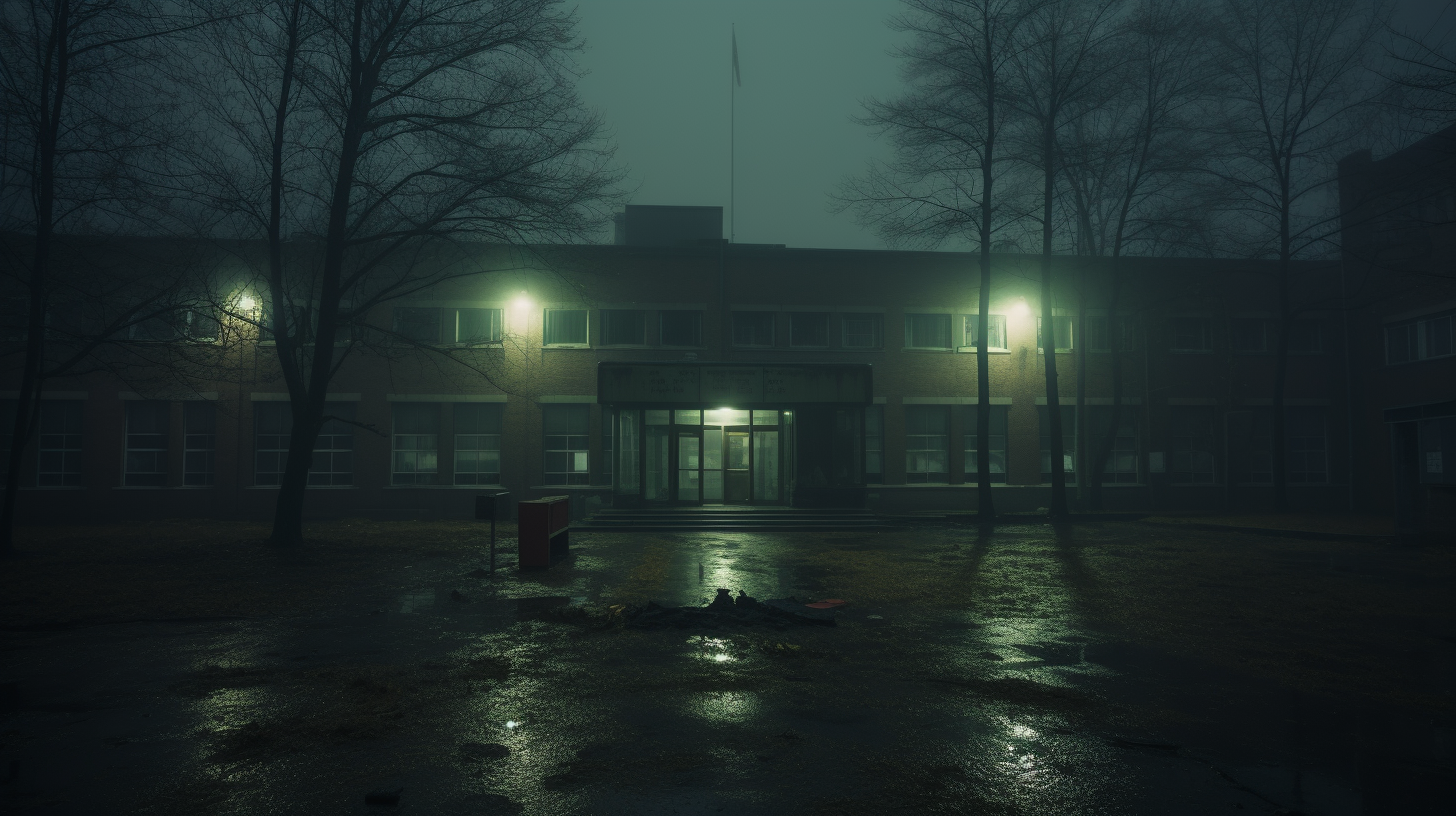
{"x":492,"y":543}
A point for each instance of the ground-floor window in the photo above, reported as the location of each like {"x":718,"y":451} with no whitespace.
{"x":272,"y":422}
{"x":1191,"y":441}
{"x":1250,"y":444}
{"x":628,"y":448}
{"x":146,"y":443}
{"x":477,"y":443}
{"x":604,"y":469}
{"x":1069,"y":442}
{"x":567,"y":457}
{"x":996,"y":446}
{"x":1305,"y":432}
{"x":874,"y":444}
{"x":416,"y":443}
{"x":199,"y":443}
{"x":59,"y":463}
{"x":927,"y":444}
{"x":1121,"y":466}
{"x":333,"y":453}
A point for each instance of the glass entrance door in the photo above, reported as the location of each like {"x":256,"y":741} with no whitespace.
{"x":736,"y":481}
{"x":689,"y":467}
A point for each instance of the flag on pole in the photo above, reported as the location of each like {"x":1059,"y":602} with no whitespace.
{"x":737,"y":80}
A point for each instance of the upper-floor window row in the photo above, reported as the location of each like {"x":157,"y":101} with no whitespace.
{"x":1423,"y":338}
{"x":1247,"y":335}
{"x":433,"y":325}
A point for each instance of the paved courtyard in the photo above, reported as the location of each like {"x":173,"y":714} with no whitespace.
{"x":1100,"y":668}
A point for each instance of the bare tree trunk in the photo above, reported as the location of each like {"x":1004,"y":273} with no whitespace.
{"x":1281,"y":363}
{"x":1049,"y":352}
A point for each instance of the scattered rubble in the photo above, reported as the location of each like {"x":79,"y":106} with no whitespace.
{"x":724,"y":611}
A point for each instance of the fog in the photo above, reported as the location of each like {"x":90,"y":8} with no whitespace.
{"x":660,"y":74}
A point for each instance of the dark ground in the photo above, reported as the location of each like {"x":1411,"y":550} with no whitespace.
{"x":1112,"y":668}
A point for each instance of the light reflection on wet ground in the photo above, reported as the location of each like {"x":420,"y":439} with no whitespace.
{"x":967,"y":676}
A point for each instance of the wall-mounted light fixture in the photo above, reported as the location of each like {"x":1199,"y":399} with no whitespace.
{"x":1020,"y":307}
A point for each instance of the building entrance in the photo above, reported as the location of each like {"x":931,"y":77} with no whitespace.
{"x":717,"y":456}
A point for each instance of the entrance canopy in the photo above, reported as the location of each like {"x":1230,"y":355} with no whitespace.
{"x":713,"y":385}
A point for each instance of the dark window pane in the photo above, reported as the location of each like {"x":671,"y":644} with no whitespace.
{"x":682,"y":328}
{"x":931,"y":331}
{"x":565,"y":327}
{"x":624,"y":327}
{"x":421,"y":325}
{"x":809,"y":329}
{"x":863,"y":330}
{"x":753,"y":328}
{"x":477,"y":325}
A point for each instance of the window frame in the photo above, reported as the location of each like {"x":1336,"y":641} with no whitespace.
{"x":794,"y":319}
{"x":574,"y":447}
{"x":1069,"y":335}
{"x":1000,"y":419}
{"x":1179,"y":322}
{"x":911,"y":318}
{"x":1121,"y":330}
{"x":877,"y":330}
{"x":193,"y":442}
{"x":1420,"y":332}
{"x":609,"y":318}
{"x":1181,"y":419}
{"x":134,"y":449}
{"x":482,"y":442}
{"x":1069,"y":443}
{"x":664,"y":316}
{"x":928,"y":476}
{"x":755,"y":320}
{"x":1234,"y":335}
{"x":996,"y":331}
{"x":547,"y":327}
{"x":71,"y":449}
{"x":415,"y":451}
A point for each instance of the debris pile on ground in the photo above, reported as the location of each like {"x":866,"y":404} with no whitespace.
{"x":724,"y":611}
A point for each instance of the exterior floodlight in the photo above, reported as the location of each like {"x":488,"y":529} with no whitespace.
{"x":246,"y":303}
{"x":522,"y":301}
{"x":1020,"y":307}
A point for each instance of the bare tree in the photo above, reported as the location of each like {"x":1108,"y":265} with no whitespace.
{"x":365,"y":139}
{"x":943,"y":183}
{"x":82,"y":132}
{"x":1296,"y":90}
{"x":1061,"y":66}
{"x":1129,"y":164}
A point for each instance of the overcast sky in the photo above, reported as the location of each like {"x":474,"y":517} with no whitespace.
{"x":660,"y":74}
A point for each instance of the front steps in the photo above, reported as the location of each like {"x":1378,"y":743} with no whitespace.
{"x":730,"y":519}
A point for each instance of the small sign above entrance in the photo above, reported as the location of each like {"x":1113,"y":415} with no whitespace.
{"x":717,"y":384}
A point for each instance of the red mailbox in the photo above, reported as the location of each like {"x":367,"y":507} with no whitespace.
{"x":543,"y":530}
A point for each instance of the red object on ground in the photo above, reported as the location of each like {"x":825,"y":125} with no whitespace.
{"x":543,"y":531}
{"x":827,"y":603}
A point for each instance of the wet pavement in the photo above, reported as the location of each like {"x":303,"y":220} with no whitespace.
{"x":1025,"y":672}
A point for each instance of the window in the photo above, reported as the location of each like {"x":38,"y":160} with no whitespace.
{"x":304,"y":323}
{"x":333,"y":453}
{"x":1191,"y":334}
{"x":1421,"y":339}
{"x":863,"y":331}
{"x":1069,"y":442}
{"x":874,"y":445}
{"x":198,"y":325}
{"x":996,"y":331}
{"x":997,"y":446}
{"x":567,"y":460}
{"x":1062,"y":326}
{"x":1121,"y":466}
{"x":566,"y":327}
{"x":199,"y":443}
{"x":60,"y":444}
{"x":604,"y":466}
{"x":430,"y":325}
{"x":7,"y":430}
{"x":1305,"y":432}
{"x":418,"y":325}
{"x":1249,"y":335}
{"x":1104,"y":331}
{"x":1191,"y":440}
{"x":416,"y":443}
{"x":927,"y":331}
{"x":681,"y":328}
{"x":272,"y":422}
{"x":477,"y":443}
{"x":145,"y":461}
{"x":477,"y":325}
{"x":1250,"y":442}
{"x":927,"y":442}
{"x":809,"y":329}
{"x":624,"y":327}
{"x":1306,"y":336}
{"x":753,"y":329}
{"x":14,"y":318}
